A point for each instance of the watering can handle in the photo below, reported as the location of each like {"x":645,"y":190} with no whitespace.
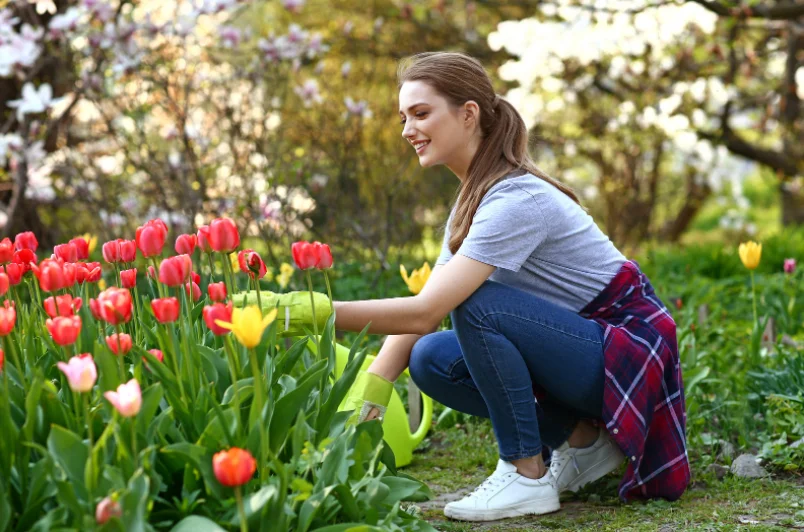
{"x":424,"y":424}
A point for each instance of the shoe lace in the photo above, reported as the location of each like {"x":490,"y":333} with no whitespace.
{"x":488,"y":485}
{"x":559,"y":458}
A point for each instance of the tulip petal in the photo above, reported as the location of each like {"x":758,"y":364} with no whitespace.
{"x":225,"y":325}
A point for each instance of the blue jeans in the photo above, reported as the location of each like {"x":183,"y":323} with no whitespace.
{"x":503,"y":342}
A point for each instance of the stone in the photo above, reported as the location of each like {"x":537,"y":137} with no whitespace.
{"x":718,"y":470}
{"x":746,"y":466}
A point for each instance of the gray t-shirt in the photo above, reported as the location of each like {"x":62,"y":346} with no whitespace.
{"x":540,"y":241}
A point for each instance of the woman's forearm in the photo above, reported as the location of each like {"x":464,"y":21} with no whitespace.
{"x":399,"y":315}
{"x":394,"y":356}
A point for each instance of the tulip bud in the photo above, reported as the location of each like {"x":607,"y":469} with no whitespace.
{"x":203,"y":239}
{"x":234,"y":467}
{"x":66,"y":252}
{"x":114,"y":305}
{"x":14,"y":272}
{"x":80,"y":371}
{"x":119,"y":344}
{"x":166,"y":309}
{"x":81,"y":247}
{"x":186,"y":244}
{"x":217,"y":291}
{"x":193,"y":291}
{"x":151,"y":237}
{"x":128,"y":278}
{"x":4,"y":284}
{"x":26,"y":240}
{"x":64,"y":305}
{"x":107,"y":509}
{"x":217,"y":312}
{"x":25,"y":258}
{"x":2,"y":360}
{"x":174,"y":271}
{"x":157,"y":355}
{"x":251,"y":263}
{"x":789,"y":266}
{"x":304,"y":255}
{"x":6,"y":250}
{"x":8,"y":318}
{"x":223,"y":235}
{"x":324,"y":257}
{"x":64,"y":330}
{"x":750,"y":254}
{"x":127,"y":400}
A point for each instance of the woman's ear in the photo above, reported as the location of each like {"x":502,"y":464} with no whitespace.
{"x":471,"y":112}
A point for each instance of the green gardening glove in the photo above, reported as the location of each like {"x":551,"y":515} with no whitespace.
{"x":368,"y":391}
{"x":295,"y":309}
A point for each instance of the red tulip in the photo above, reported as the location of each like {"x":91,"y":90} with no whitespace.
{"x":64,"y":330}
{"x":120,"y":344}
{"x":2,"y":360}
{"x":50,"y":273}
{"x":66,"y":252}
{"x":218,"y":311}
{"x":64,"y":305}
{"x":4,"y":284}
{"x":107,"y":509}
{"x":217,"y":291}
{"x":185,"y":244}
{"x":152,"y":273}
{"x":26,"y":240}
{"x":305,"y":255}
{"x":8,"y":317}
{"x":193,"y":291}
{"x":128,"y":278}
{"x":24,"y":257}
{"x":81,"y":247}
{"x":94,"y":307}
{"x":251,"y":263}
{"x":128,"y":250}
{"x":223,"y":235}
{"x":87,"y":272}
{"x":70,"y":273}
{"x":14,"y":272}
{"x":234,"y":467}
{"x":157,"y":355}
{"x":6,"y":250}
{"x":324,"y":257}
{"x":174,"y":271}
{"x":111,"y":251}
{"x":195,"y":278}
{"x":203,"y":239}
{"x":166,"y":309}
{"x":151,"y":237}
{"x":114,"y":305}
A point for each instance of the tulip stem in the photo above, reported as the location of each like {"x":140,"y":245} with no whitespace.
{"x":156,"y":277}
{"x":211,"y":267}
{"x":186,"y":343}
{"x":332,"y":309}
{"x":259,"y":404}
{"x":241,"y":509}
{"x":257,"y":289}
{"x":312,"y":309}
{"x":120,"y":355}
{"x":85,"y":401}
{"x":175,"y":359}
{"x":233,"y":368}
{"x":8,"y":343}
{"x":754,"y":299}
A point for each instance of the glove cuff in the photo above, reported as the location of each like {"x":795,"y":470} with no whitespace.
{"x":372,"y":388}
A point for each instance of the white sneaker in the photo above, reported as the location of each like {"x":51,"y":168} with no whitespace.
{"x":572,"y":467}
{"x":506,"y":493}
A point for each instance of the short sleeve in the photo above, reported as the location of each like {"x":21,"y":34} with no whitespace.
{"x":507,"y":228}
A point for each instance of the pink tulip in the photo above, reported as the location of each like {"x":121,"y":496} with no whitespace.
{"x":80,"y":371}
{"x":107,"y":509}
{"x":127,"y":399}
{"x":789,"y":266}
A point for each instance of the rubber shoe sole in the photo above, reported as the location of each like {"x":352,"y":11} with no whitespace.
{"x":532,"y":507}
{"x":598,"y":470}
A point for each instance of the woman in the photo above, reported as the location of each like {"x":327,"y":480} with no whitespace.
{"x":543,"y":306}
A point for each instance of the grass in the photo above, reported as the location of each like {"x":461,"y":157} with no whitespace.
{"x":460,"y":457}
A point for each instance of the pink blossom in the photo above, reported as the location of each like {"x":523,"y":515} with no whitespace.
{"x":127,"y":399}
{"x":80,"y":371}
{"x":789,"y":266}
{"x":231,"y":37}
{"x":309,"y":92}
{"x":294,"y":6}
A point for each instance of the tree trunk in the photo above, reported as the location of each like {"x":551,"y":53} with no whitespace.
{"x":792,"y":206}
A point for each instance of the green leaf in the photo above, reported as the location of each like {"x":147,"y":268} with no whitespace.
{"x":5,"y":507}
{"x":71,"y":454}
{"x":201,"y":459}
{"x":335,"y":469}
{"x":108,"y":373}
{"x":135,"y":503}
{"x":150,"y":402}
{"x":287,"y":406}
{"x":196,"y":523}
{"x":349,"y":527}
{"x":403,"y":489}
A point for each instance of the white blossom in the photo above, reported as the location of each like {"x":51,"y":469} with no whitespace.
{"x":33,"y":100}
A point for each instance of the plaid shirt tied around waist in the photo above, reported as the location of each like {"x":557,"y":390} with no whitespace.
{"x":643,"y":396}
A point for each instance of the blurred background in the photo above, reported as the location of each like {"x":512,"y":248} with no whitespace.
{"x":675,"y":121}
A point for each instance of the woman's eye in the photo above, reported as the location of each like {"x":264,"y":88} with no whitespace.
{"x":421,"y":115}
{"x":402,"y":121}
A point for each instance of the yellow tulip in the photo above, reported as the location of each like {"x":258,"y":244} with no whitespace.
{"x":269,"y":274}
{"x":101,"y":285}
{"x":418,"y":278}
{"x":91,"y":240}
{"x":235,"y":263}
{"x":285,"y":273}
{"x":750,"y":253}
{"x":248,"y":324}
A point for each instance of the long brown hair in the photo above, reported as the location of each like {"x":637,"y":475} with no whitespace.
{"x":504,"y":144}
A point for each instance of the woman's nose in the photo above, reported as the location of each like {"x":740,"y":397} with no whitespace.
{"x":407,"y":131}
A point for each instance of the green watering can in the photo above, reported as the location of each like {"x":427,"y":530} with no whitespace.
{"x":396,"y":426}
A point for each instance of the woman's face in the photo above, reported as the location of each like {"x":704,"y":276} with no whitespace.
{"x":437,"y":131}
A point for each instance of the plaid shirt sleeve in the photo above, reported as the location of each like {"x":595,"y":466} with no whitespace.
{"x":643,"y":397}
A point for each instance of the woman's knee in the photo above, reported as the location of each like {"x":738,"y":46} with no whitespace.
{"x":427,"y":357}
{"x":471,"y":309}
